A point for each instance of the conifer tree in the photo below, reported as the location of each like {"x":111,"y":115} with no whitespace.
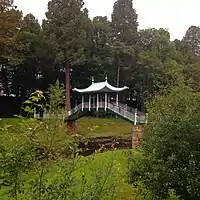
{"x":125,"y":36}
{"x":65,"y":27}
{"x":10,"y":23}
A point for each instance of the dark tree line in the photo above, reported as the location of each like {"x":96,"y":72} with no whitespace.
{"x":71,"y":48}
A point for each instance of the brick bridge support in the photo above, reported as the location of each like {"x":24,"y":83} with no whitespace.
{"x":71,"y":127}
{"x":136,"y":136}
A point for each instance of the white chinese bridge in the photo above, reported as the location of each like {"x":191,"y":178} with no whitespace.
{"x":103,"y":96}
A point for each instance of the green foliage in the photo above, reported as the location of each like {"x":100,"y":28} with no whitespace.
{"x":171,"y":145}
{"x":172,"y":195}
{"x":10,"y":23}
{"x":37,"y":100}
{"x":101,"y":36}
{"x":157,"y":65}
{"x":29,"y":150}
{"x":34,"y":102}
{"x":124,"y":22}
{"x":33,"y":167}
{"x":32,"y":144}
{"x":100,"y":176}
{"x":28,"y":71}
{"x":56,"y":97}
{"x":192,"y":76}
{"x":192,"y":39}
{"x":147,"y":61}
{"x":66,"y":25}
{"x":124,"y":28}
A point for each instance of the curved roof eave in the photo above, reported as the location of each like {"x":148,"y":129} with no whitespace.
{"x":100,"y":87}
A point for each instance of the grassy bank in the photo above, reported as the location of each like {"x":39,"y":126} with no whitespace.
{"x":93,"y":127}
{"x":94,"y":168}
{"x":100,"y":171}
{"x":103,"y":127}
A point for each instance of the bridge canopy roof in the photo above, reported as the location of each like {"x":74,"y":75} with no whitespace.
{"x":100,"y":87}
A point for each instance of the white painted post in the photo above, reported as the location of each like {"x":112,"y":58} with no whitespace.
{"x":106,"y":97}
{"x":97,"y":102}
{"x":82,"y":102}
{"x":89,"y":102}
{"x":146,"y":118}
{"x":135,"y":119}
{"x":100,"y":102}
{"x":45,"y":113}
{"x":94,"y":102}
{"x":35,"y":114}
{"x":117,"y":99}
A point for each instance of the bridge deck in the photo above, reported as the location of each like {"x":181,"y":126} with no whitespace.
{"x":121,"y":110}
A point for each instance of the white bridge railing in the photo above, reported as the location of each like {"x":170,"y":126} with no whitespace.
{"x":134,"y":116}
{"x":122,"y":110}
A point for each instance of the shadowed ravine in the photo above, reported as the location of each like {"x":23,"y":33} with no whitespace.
{"x":105,"y":143}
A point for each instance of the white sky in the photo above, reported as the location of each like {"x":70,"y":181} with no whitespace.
{"x":175,"y":15}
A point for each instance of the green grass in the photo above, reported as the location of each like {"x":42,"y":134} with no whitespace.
{"x":118,"y":176}
{"x":102,"y":161}
{"x":103,"y":127}
{"x":88,"y":166}
{"x":9,"y":121}
{"x":93,"y":127}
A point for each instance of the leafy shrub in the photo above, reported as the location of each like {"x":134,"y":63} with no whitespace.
{"x":171,"y":140}
{"x":31,"y":148}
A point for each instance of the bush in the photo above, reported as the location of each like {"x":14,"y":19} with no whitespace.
{"x":31,"y":148}
{"x":171,"y":142}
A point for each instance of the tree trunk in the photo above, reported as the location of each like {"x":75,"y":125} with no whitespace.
{"x":118,"y":72}
{"x":67,"y":79}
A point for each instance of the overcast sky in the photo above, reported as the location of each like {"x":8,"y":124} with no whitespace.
{"x":175,"y":15}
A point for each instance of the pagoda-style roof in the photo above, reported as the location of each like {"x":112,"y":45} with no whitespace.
{"x":100,"y":87}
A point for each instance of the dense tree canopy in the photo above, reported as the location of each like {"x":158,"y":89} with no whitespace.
{"x":171,"y":146}
{"x":192,"y":39}
{"x":28,"y":71}
{"x":10,"y":23}
{"x":124,"y":22}
{"x":125,"y":35}
{"x":66,"y":28}
{"x":34,"y":56}
{"x":101,"y":46}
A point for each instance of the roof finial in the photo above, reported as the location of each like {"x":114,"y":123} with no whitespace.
{"x":106,"y":78}
{"x":92,"y":79}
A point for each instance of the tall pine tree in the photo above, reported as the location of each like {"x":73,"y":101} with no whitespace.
{"x":66,"y":24}
{"x":101,"y":47}
{"x":124,"y":22}
{"x":25,"y":76}
{"x":10,"y":23}
{"x":124,"y":25}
